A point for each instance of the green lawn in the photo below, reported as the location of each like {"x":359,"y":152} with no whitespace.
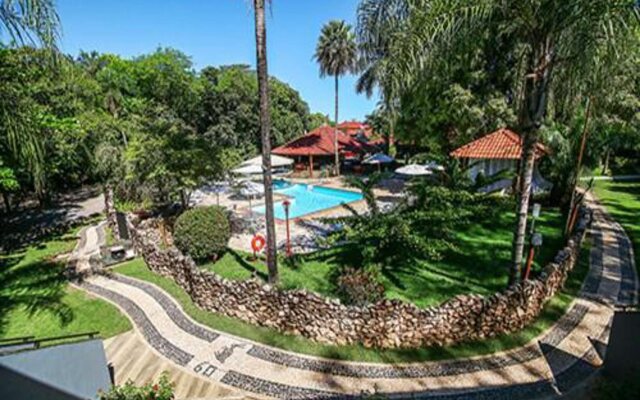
{"x":622,"y":200}
{"x":479,"y":265}
{"x":36,"y":300}
{"x":556,"y":308}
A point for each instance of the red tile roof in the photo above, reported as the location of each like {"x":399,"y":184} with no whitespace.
{"x":501,"y":144}
{"x":320,"y":142}
{"x":355,"y":127}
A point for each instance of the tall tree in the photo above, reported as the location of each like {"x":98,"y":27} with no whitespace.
{"x":553,"y":39}
{"x":263,"y":90}
{"x":336,"y":53}
{"x":34,"y":22}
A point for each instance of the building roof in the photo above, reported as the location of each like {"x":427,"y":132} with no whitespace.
{"x":348,"y":126}
{"x":501,"y":144}
{"x":320,"y":142}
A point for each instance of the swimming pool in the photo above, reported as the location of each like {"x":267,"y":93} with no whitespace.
{"x":306,"y":199}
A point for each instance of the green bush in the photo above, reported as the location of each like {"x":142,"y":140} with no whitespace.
{"x":202,"y":232}
{"x":360,"y":286}
{"x":163,"y":390}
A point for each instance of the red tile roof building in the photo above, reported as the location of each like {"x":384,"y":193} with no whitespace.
{"x":320,"y":142}
{"x":502,"y":144}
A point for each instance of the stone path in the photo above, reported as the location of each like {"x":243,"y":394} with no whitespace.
{"x":91,"y":238}
{"x":555,"y":362}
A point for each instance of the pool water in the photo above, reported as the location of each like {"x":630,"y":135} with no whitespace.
{"x":306,"y":199}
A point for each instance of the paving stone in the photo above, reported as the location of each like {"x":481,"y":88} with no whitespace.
{"x":143,"y":323}
{"x":173,"y":311}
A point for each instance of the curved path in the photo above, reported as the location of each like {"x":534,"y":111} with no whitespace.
{"x":552,"y":364}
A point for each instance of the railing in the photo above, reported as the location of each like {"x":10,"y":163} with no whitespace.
{"x":9,"y":345}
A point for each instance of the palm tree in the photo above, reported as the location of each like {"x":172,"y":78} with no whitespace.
{"x":336,"y":52}
{"x":556,"y":43}
{"x":263,"y":93}
{"x":21,"y":22}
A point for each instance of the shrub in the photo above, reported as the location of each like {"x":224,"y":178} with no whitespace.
{"x":360,"y":286}
{"x":163,"y":390}
{"x":202,"y":232}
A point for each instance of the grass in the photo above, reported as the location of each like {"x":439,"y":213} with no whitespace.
{"x":622,"y":200}
{"x":36,"y":300}
{"x":554,"y":310}
{"x":479,"y":265}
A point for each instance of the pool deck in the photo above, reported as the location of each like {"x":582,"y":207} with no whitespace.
{"x":299,"y":230}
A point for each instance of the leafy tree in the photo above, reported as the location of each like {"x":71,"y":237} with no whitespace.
{"x":317,"y":120}
{"x":168,"y":158}
{"x":336,"y":54}
{"x":552,"y":39}
{"x":24,"y":21}
{"x":29,"y":21}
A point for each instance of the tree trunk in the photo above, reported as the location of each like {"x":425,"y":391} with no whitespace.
{"x":531,"y":115}
{"x":335,"y":133}
{"x":263,"y":92}
{"x":7,"y":202}
{"x":605,"y":167}
{"x":391,"y":150}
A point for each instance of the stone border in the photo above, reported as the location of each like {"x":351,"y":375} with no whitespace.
{"x":170,"y":307}
{"x":385,"y":324}
{"x":147,"y":328}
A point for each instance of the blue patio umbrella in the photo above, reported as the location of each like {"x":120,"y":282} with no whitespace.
{"x":378,"y":159}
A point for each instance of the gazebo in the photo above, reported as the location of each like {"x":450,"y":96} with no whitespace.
{"x":319,"y":143}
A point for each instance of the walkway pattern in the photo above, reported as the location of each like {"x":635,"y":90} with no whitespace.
{"x":554,"y":363}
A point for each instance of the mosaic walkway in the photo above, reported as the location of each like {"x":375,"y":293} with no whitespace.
{"x":554,"y":363}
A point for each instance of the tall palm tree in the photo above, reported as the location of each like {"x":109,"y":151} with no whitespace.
{"x":557,"y":43}
{"x":263,"y":93}
{"x":336,"y":53}
{"x":27,"y":22}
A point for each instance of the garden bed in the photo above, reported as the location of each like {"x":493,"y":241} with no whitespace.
{"x":479,"y":265}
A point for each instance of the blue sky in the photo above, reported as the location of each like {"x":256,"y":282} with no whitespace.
{"x":215,"y":32}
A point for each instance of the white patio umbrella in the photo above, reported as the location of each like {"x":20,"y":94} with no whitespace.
{"x":251,"y":169}
{"x":276,"y":161}
{"x":414,"y":170}
{"x":378,"y":159}
{"x":250,"y":189}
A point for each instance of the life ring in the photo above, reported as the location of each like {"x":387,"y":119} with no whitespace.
{"x":258,"y":242}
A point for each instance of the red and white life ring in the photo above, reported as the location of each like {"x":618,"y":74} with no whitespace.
{"x":258,"y":242}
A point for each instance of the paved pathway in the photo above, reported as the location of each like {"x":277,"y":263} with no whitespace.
{"x":554,"y":363}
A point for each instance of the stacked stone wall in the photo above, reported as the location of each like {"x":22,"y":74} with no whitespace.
{"x":385,"y":324}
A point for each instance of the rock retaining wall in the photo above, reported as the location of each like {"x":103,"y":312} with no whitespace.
{"x":385,"y":324}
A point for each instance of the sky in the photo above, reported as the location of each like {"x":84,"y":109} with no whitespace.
{"x":218,"y":32}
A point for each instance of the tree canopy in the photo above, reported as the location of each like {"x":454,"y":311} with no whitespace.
{"x":151,"y":126}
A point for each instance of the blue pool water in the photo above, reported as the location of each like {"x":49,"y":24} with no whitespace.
{"x":306,"y":199}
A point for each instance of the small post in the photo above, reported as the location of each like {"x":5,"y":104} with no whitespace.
{"x":536,"y":241}
{"x":285,"y":205}
{"x":535,"y":238}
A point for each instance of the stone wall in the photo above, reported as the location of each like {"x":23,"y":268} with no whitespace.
{"x":385,"y":324}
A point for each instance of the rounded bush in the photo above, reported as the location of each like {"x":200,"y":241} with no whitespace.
{"x":202,"y":232}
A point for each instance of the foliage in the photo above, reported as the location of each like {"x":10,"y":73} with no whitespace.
{"x":424,"y":228}
{"x":229,"y":109}
{"x":30,"y":21}
{"x":336,"y":51}
{"x":203,"y":232}
{"x":366,"y":186}
{"x":162,"y":390}
{"x":151,"y":126}
{"x":360,"y":286}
